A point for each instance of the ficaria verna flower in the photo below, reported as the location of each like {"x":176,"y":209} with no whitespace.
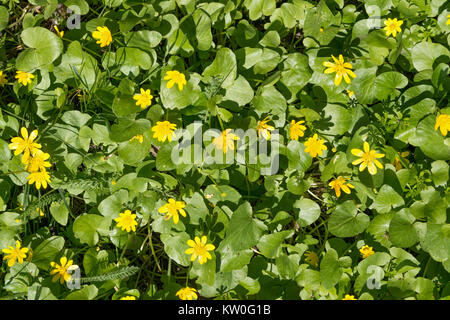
{"x":164,"y":130}
{"x":128,"y":298}
{"x":443,"y":122}
{"x":24,"y":77}
{"x":37,"y":162}
{"x":448,"y":21}
{"x":139,"y":138}
{"x":264,"y":129}
{"x":392,"y":26}
{"x":340,"y":183}
{"x":368,"y":158}
{"x":341,"y":68}
{"x":225,"y":141}
{"x":40,"y":178}
{"x":366,"y":251}
{"x":143,"y":99}
{"x":296,"y":130}
{"x":60,"y":33}
{"x":187,"y":294}
{"x":126,"y":221}
{"x":172,"y":209}
{"x":199,"y":249}
{"x":314,"y":146}
{"x":349,"y":297}
{"x":25,"y":144}
{"x":3,"y":79}
{"x":175,"y":77}
{"x":103,"y":36}
{"x":13,"y":254}
{"x":350,"y":93}
{"x":59,"y":272}
{"x":399,"y":158}
{"x":312,"y":258}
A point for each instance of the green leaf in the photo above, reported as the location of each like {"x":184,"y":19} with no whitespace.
{"x":401,"y":229}
{"x":4,"y":18}
{"x":387,"y":83}
{"x":224,"y":67}
{"x":270,"y":244}
{"x":243,"y":231}
{"x":48,"y":251}
{"x":87,"y":293}
{"x":330,"y":271}
{"x":439,"y":170}
{"x":424,"y":54}
{"x":309,"y":211}
{"x":386,"y":199}
{"x":175,"y":247}
{"x":346,"y":221}
{"x":437,"y":241}
{"x":59,"y":212}
{"x":88,"y":227}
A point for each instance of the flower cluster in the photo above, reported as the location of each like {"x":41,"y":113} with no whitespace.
{"x":34,"y":159}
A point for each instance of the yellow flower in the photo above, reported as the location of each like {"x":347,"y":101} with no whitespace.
{"x":144,"y":99}
{"x":187,"y":294}
{"x":164,"y":130}
{"x":314,"y":146}
{"x":443,"y":121}
{"x":175,"y":77}
{"x":40,"y":178}
{"x":126,"y":221}
{"x":200,"y":249}
{"x":37,"y":162}
{"x":103,"y":35}
{"x":340,"y":183}
{"x":398,"y":163}
{"x":25,"y":144}
{"x":296,"y":130}
{"x":128,"y":298}
{"x":368,"y":158}
{"x":312,"y":258}
{"x":3,"y":79}
{"x":341,"y":68}
{"x":114,"y":182}
{"x":366,"y":251}
{"x":172,"y":209}
{"x":351,"y":94}
{"x":225,"y":141}
{"x":448,"y":21}
{"x":264,"y":129}
{"x":24,"y":77}
{"x":13,"y":254}
{"x":60,"y":33}
{"x":59,"y":272}
{"x":392,"y":26}
{"x":41,"y":213}
{"x":349,"y":297}
{"x":138,"y":137}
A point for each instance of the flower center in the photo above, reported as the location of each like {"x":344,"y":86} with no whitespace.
{"x":200,"y":250}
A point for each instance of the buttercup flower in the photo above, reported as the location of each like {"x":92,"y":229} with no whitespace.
{"x":341,"y":68}
{"x":103,"y":35}
{"x":368,"y":158}
{"x":225,"y":141}
{"x":340,"y":183}
{"x":392,"y":26}
{"x":173,"y":209}
{"x":448,"y":21}
{"x":126,"y":221}
{"x":314,"y":146}
{"x":200,"y":249}
{"x":264,"y":129}
{"x":128,"y":298}
{"x":397,"y":163}
{"x":139,"y":138}
{"x":25,"y":144}
{"x":144,"y":99}
{"x":349,"y":297}
{"x":312,"y":258}
{"x":40,"y":178}
{"x":59,"y":272}
{"x":24,"y":77}
{"x":296,"y":130}
{"x":3,"y":79}
{"x":164,"y":130}
{"x":443,"y":122}
{"x":37,"y":162}
{"x":366,"y":251}
{"x":60,"y":33}
{"x":175,"y":77}
{"x":187,"y":294}
{"x":13,"y":254}
{"x":351,"y":94}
